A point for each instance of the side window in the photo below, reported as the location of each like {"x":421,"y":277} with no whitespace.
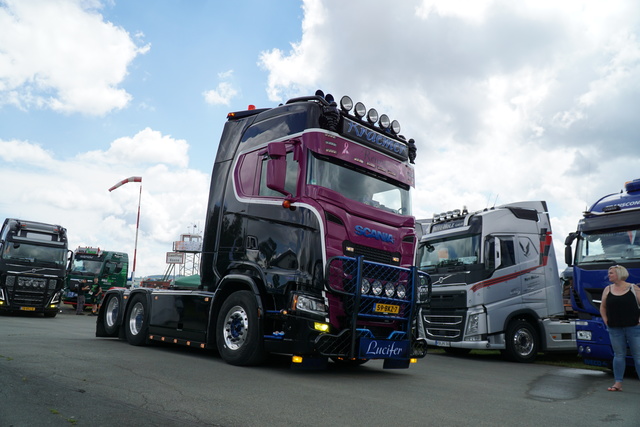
{"x":291,"y":177}
{"x":501,"y":257}
{"x":508,"y":252}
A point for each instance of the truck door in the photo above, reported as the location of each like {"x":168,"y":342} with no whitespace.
{"x":504,"y":295}
{"x":533,"y":281}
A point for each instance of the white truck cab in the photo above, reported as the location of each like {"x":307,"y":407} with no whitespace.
{"x":496,"y":283}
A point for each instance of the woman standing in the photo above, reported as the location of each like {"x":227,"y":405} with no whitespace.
{"x":620,"y":310}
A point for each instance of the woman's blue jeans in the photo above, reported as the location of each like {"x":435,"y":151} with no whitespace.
{"x":619,"y":339}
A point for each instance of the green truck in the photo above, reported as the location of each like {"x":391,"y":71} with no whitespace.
{"x":111,"y":268}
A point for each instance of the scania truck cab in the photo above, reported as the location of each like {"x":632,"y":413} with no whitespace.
{"x":496,"y":284}
{"x":308,"y":245}
{"x":607,"y":234}
{"x":33,"y":259}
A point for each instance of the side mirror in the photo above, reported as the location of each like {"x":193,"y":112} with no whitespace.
{"x":570,"y":238}
{"x":277,"y":167}
{"x":568,"y":256}
{"x":118,"y":268}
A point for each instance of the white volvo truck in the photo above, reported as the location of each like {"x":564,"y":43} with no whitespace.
{"x":496,"y":283}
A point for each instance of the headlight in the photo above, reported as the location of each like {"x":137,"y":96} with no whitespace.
{"x":377,"y":288}
{"x":365,"y":287}
{"x":389,"y":289}
{"x":472,"y":326}
{"x":308,"y":304}
{"x":401,"y":291}
{"x":583,"y":335}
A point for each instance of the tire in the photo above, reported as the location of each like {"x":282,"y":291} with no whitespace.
{"x":239,"y":336}
{"x":522,"y":342}
{"x":456,"y":351}
{"x":136,"y":321}
{"x":111,"y":315}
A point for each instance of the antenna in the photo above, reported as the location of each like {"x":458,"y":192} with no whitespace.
{"x":496,"y":200}
{"x":488,"y":201}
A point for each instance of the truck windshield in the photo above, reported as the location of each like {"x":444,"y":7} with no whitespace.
{"x":608,"y":246}
{"x":26,"y":252}
{"x":360,"y":186}
{"x":86,"y":266}
{"x":455,"y":251}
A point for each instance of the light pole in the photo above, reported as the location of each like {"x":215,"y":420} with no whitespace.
{"x":135,"y":248}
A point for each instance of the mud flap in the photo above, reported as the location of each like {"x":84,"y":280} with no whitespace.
{"x":396,"y":364}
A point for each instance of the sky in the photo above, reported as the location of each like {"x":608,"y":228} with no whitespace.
{"x":507,"y":101}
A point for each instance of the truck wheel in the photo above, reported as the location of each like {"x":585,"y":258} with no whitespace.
{"x":238,"y":331}
{"x":137,"y":321}
{"x":110,"y":314}
{"x":521,"y":342}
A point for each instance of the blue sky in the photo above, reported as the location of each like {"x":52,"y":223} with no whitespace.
{"x":508,"y":101}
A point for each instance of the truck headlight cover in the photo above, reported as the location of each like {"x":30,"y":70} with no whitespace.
{"x":365,"y":286}
{"x":472,"y":327}
{"x":377,"y":288}
{"x":308,"y":304}
{"x":389,"y":289}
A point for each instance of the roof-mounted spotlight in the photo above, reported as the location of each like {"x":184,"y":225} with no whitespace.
{"x":372,"y":116}
{"x":384,"y":121}
{"x":360,"y":110}
{"x":320,"y":93}
{"x":346,"y":103}
{"x":395,"y":127}
{"x":330,"y":99}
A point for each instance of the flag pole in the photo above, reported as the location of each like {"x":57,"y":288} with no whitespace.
{"x":135,"y":248}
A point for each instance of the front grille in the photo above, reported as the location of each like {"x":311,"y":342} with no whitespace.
{"x":372,"y":254}
{"x":443,"y":326}
{"x":366,"y":315}
{"x":29,"y":291}
{"x":449,"y":300}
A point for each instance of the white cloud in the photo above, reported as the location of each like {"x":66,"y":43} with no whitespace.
{"x":62,"y":55}
{"x":221,"y":95}
{"x":506,"y":100}
{"x":24,"y":152}
{"x":74,"y":193}
{"x":145,"y":147}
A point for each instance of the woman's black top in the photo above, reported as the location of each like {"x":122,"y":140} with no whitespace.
{"x":622,"y":310}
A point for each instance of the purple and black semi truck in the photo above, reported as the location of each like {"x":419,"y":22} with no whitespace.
{"x":308,"y":247}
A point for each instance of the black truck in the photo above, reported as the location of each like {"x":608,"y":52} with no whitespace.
{"x":308,"y":247}
{"x":33,"y":261}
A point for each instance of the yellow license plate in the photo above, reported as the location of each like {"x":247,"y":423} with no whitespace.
{"x":387,"y":308}
{"x":28,"y":308}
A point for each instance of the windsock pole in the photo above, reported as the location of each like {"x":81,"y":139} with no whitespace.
{"x":135,"y":248}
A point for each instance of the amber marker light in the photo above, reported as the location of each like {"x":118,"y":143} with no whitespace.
{"x":413,"y":360}
{"x":296,"y":359}
{"x":322,"y":327}
{"x":286,"y":204}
